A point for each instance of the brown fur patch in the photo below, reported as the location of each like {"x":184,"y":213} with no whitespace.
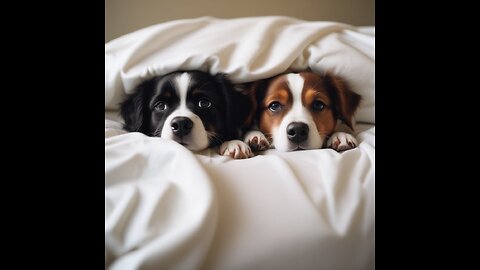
{"x":276,"y":91}
{"x":346,"y":101}
{"x":324,"y":120}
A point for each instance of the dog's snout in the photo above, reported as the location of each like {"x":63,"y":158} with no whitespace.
{"x":297,"y":132}
{"x":181,"y":126}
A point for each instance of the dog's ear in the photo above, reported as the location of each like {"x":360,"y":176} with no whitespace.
{"x":256,"y":92}
{"x":132,"y":109}
{"x":238,"y":107}
{"x":345,"y":99}
{"x":249,"y":90}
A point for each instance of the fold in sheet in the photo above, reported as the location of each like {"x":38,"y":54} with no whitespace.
{"x":247,"y":49}
{"x":159,"y":205}
{"x":169,"y":208}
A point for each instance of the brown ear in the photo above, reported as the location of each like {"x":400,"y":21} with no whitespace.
{"x":255,"y":92}
{"x":345,"y":99}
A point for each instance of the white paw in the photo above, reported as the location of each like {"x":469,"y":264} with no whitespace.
{"x":235,"y":149}
{"x":257,"y":141}
{"x":341,"y":141}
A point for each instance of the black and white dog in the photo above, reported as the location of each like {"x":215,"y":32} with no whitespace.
{"x":193,"y":108}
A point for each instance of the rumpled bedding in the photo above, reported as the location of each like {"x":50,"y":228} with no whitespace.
{"x":169,"y":208}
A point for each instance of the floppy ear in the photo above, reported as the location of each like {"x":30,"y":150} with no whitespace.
{"x":250,"y":91}
{"x":133,"y":109}
{"x":256,"y":92}
{"x":346,"y":100}
{"x":238,"y":107}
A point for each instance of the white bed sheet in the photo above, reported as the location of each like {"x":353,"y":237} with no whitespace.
{"x":169,"y":208}
{"x":246,"y":49}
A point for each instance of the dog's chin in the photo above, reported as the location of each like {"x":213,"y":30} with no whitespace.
{"x":290,"y":147}
{"x":299,"y":148}
{"x":190,"y":145}
{"x":295,"y":147}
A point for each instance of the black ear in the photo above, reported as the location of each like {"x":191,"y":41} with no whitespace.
{"x":132,"y":109}
{"x":238,"y":107}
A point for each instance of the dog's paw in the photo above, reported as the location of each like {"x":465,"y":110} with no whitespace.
{"x":341,"y":141}
{"x":235,"y":149}
{"x":257,"y":141}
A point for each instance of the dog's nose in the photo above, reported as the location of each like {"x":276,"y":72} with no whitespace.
{"x":181,"y":126}
{"x":297,"y":132}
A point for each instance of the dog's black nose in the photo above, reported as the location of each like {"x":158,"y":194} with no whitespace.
{"x":181,"y":126}
{"x":297,"y":132}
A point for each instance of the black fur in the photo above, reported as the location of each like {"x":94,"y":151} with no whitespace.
{"x":228,"y":111}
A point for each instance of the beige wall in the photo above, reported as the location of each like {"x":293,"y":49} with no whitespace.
{"x":124,"y":16}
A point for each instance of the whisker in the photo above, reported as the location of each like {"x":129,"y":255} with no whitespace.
{"x":157,"y":132}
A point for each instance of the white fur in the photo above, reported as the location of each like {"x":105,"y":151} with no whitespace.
{"x":197,"y":139}
{"x":235,"y":149}
{"x":341,"y":141}
{"x":182,"y":82}
{"x":298,"y":113}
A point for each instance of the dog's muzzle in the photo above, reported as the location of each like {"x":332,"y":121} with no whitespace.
{"x":181,"y":126}
{"x":297,"y":132}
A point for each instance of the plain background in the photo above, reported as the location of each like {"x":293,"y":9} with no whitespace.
{"x":125,"y":16}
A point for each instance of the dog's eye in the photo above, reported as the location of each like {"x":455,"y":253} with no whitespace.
{"x":317,"y":105}
{"x":275,"y":106}
{"x":204,"y":103}
{"x":161,"y":106}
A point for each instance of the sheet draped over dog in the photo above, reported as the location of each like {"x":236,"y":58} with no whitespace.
{"x":169,"y":208}
{"x":247,"y":49}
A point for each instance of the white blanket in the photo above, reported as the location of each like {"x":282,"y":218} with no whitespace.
{"x":169,"y":208}
{"x":247,"y":49}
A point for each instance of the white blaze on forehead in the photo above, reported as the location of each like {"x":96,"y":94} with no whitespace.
{"x":297,"y":113}
{"x":181,"y":85}
{"x":198,"y":138}
{"x":295,"y":83}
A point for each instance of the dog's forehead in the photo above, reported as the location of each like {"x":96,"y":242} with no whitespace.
{"x":185,"y":84}
{"x":182,"y":84}
{"x":279,"y":81}
{"x":290,"y":85}
{"x":297,"y":82}
{"x":189,"y":81}
{"x":313,"y":81}
{"x":203,"y":81}
{"x":196,"y":77}
{"x":165,"y":84}
{"x":311,"y":77}
{"x":293,"y":82}
{"x":173,"y":84}
{"x":303,"y":86}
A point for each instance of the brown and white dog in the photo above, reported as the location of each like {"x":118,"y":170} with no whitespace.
{"x":296,"y":111}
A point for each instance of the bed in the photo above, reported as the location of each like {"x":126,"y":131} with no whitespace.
{"x":169,"y":208}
